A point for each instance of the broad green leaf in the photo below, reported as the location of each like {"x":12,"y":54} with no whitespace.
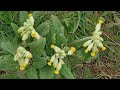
{"x":7,"y":63}
{"x":36,"y":47}
{"x":23,"y":16}
{"x":65,"y":71}
{"x":46,"y":72}
{"x":31,"y":73}
{"x":43,"y":29}
{"x":38,"y":15}
{"x":39,"y":62}
{"x":15,"y":28}
{"x":58,"y":28}
{"x":9,"y":47}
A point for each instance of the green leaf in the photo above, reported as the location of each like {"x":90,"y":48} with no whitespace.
{"x":46,"y":73}
{"x":38,"y":15}
{"x":23,"y":15}
{"x":11,"y":76}
{"x":43,"y":29}
{"x":39,"y":62}
{"x":53,"y":38}
{"x":31,"y":73}
{"x":65,"y":71}
{"x":15,"y":28}
{"x":7,"y":63}
{"x":36,"y":47}
{"x":9,"y":47}
{"x":58,"y":28}
{"x":80,"y":55}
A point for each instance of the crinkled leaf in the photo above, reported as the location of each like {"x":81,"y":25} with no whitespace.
{"x":43,"y":29}
{"x":31,"y":73}
{"x":46,"y":73}
{"x":58,"y":28}
{"x":38,"y":16}
{"x":7,"y":63}
{"x":36,"y":47}
{"x":9,"y":47}
{"x":39,"y":62}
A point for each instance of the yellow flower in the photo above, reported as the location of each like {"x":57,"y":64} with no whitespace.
{"x":86,"y":50}
{"x":93,"y":54}
{"x":73,"y":49}
{"x":22,"y":68}
{"x":103,"y":48}
{"x":52,"y":46}
{"x":55,"y":66}
{"x":23,"y":57}
{"x":33,"y":33}
{"x":56,"y":72}
{"x":100,"y":21}
{"x":24,"y":64}
{"x":49,"y":63}
{"x":30,"y":14}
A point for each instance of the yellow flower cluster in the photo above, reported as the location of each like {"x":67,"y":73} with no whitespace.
{"x":95,"y":41}
{"x":22,"y":56}
{"x":57,"y":58}
{"x":28,"y":29}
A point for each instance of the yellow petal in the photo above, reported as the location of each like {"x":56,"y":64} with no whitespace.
{"x":86,"y":50}
{"x":93,"y":54}
{"x":103,"y":48}
{"x":30,"y":14}
{"x":73,"y":49}
{"x":49,"y":63}
{"x":55,"y":66}
{"x":22,"y":68}
{"x":24,"y":65}
{"x":56,"y":72}
{"x":100,"y":21}
{"x":52,"y":46}
{"x":33,"y":33}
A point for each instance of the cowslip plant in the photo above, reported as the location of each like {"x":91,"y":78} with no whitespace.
{"x":28,"y":29}
{"x":22,"y":56}
{"x":48,"y":56}
{"x":57,"y":58}
{"x":95,"y":40}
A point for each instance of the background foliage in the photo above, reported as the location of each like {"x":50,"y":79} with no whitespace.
{"x":62,"y":28}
